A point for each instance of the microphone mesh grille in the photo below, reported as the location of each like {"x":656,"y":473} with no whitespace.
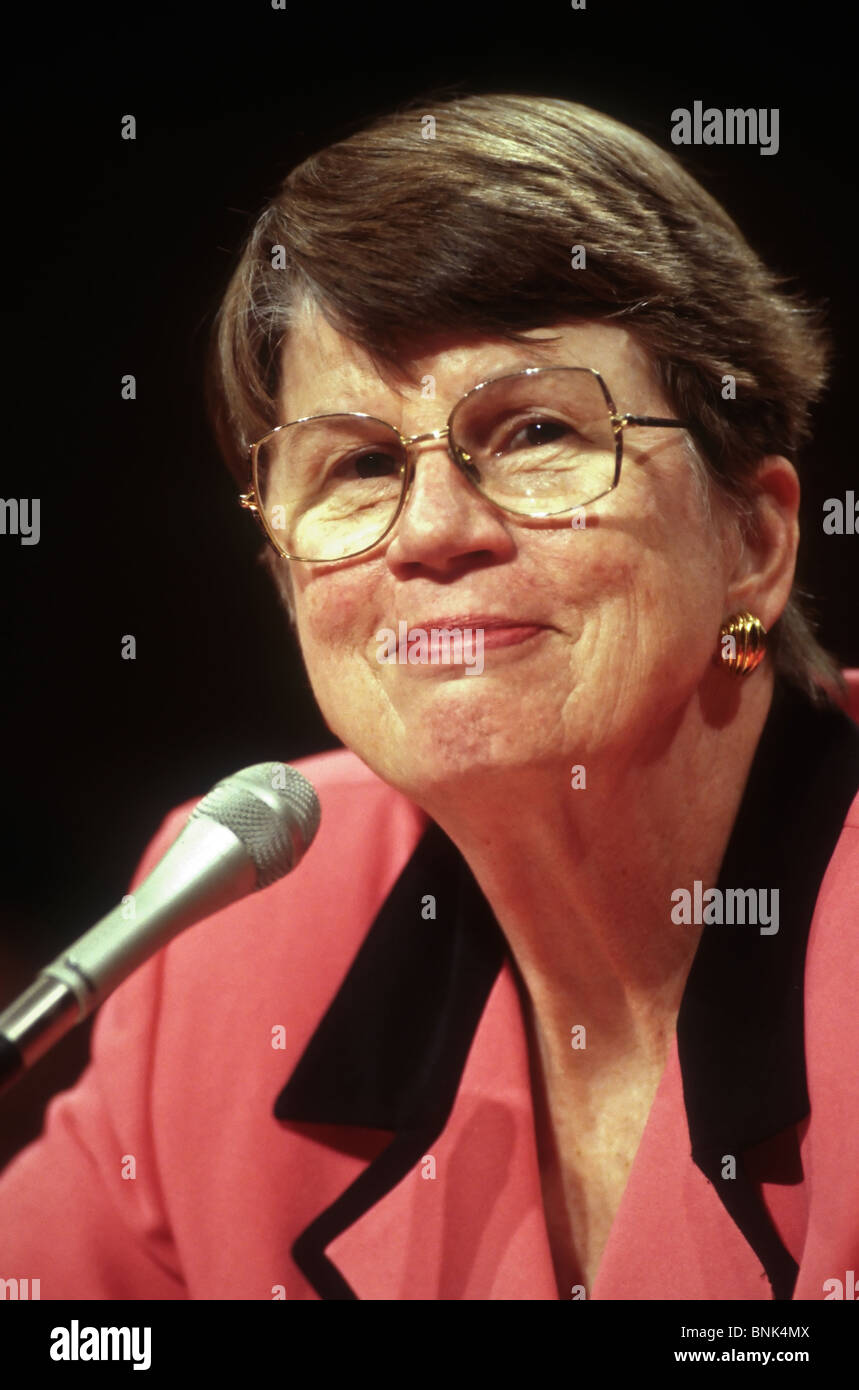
{"x":272,"y":809}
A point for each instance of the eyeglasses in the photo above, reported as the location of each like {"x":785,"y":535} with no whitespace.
{"x":536,"y":443}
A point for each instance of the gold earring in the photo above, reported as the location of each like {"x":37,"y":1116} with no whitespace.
{"x":742,"y":644}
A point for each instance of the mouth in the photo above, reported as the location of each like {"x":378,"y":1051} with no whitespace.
{"x":484,"y":622}
{"x":487,"y":631}
{"x":510,"y":635}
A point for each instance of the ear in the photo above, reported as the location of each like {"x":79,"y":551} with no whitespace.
{"x":762,"y":576}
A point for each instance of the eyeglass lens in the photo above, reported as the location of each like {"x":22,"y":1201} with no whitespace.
{"x":536,"y":445}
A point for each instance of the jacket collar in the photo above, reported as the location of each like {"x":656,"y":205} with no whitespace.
{"x":390,"y":1051}
{"x":740,"y":1030}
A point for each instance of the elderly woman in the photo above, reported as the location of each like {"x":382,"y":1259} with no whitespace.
{"x":558,"y":1004}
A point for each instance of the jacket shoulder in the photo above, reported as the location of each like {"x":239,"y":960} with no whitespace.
{"x":313,"y":920}
{"x":832,"y":1021}
{"x":350,"y":795}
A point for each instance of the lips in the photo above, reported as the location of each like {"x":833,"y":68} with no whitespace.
{"x":486,"y":621}
{"x":495,"y":630}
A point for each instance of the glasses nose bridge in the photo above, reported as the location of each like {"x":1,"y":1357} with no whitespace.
{"x":409,"y":440}
{"x":458,"y":457}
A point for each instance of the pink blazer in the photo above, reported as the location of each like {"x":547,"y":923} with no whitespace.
{"x":323,"y":1091}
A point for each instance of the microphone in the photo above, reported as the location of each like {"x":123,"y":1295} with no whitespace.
{"x":249,"y":831}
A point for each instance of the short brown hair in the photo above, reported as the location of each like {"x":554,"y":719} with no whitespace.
{"x":394,"y":237}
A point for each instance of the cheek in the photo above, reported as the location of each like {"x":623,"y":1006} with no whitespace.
{"x":336,"y":619}
{"x":677,"y":602}
{"x":332,"y":608}
{"x":653,"y":584}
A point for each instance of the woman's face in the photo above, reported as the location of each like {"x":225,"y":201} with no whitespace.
{"x":617,"y":622}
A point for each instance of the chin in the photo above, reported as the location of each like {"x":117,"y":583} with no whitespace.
{"x":449,"y":753}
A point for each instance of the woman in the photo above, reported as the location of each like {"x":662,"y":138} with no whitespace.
{"x":576,"y":927}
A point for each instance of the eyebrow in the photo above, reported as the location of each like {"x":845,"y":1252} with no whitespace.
{"x":519,"y":362}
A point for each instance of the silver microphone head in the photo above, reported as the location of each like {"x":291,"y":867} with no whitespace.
{"x":272,"y":809}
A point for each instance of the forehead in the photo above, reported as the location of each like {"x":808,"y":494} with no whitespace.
{"x":323,"y":371}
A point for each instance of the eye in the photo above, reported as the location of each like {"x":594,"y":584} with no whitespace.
{"x":374,"y":464}
{"x":537,"y":432}
{"x":377,"y":465}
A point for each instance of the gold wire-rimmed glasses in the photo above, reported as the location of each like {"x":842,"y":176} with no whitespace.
{"x":329,"y":487}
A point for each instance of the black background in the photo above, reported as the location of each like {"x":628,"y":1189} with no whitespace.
{"x":116,"y":254}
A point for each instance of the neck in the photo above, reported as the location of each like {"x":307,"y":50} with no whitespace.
{"x":580,"y":880}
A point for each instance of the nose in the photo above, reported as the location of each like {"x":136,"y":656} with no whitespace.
{"x":445,"y":523}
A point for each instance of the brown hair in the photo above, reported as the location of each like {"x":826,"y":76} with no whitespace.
{"x":393,"y":236}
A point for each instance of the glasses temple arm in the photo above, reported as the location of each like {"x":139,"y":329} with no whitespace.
{"x":651,"y":420}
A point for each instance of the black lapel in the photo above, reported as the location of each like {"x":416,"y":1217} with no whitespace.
{"x":740,"y":1027}
{"x":390,"y":1051}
